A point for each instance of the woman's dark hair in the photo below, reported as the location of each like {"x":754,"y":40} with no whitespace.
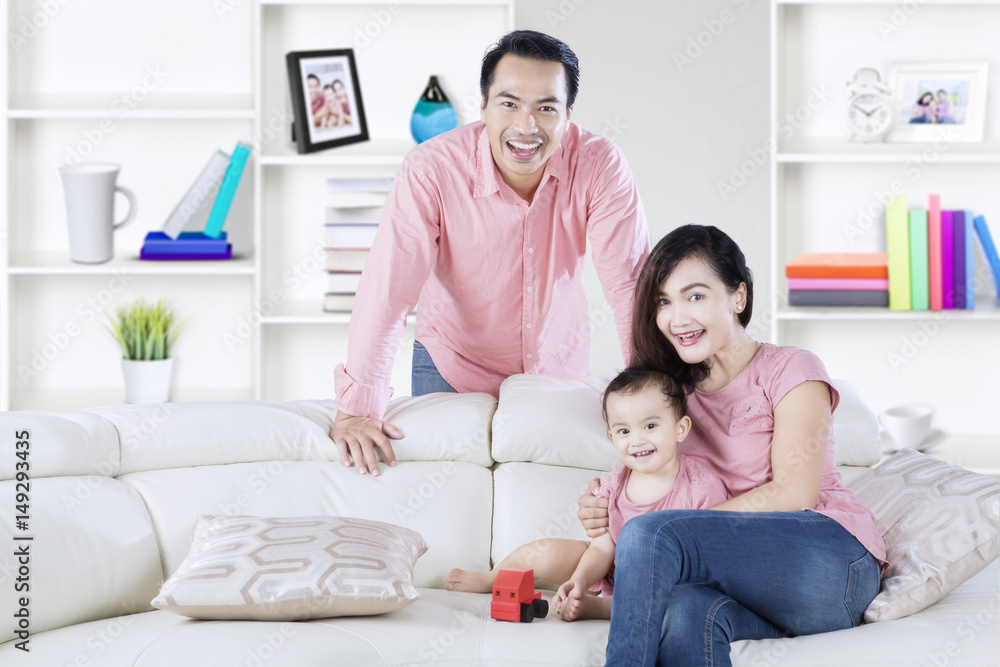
{"x":927,"y":103}
{"x":714,"y":247}
{"x":634,"y":379}
{"x":537,"y":46}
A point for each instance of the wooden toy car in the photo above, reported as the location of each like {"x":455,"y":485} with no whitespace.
{"x":515,"y":598}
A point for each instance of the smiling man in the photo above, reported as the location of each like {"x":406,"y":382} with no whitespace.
{"x":486,"y":230}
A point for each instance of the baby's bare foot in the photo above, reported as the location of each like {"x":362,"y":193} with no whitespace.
{"x":585,"y":607}
{"x":470,"y":582}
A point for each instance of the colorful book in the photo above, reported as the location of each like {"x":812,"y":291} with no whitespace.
{"x":838,"y":298}
{"x":223,"y":200}
{"x":186,"y":242}
{"x":958,"y":241}
{"x":919,"y":285}
{"x":350,"y":236}
{"x":359,"y":184}
{"x":970,"y":262}
{"x":989,"y":250}
{"x":353,"y":216}
{"x":338,"y":303}
{"x":197,"y":194}
{"x":897,"y":232}
{"x":869,"y":284}
{"x":187,"y":256}
{"x":947,"y":261}
{"x":355,"y":199}
{"x":346,"y":260}
{"x":934,"y":250}
{"x":342,"y":282}
{"x":838,"y":265}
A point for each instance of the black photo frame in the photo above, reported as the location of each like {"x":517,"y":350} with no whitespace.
{"x":326,"y":99}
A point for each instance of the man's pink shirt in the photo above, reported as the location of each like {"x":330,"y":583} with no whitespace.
{"x":496,"y":281}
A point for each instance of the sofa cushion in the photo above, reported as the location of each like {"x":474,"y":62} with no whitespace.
{"x":92,"y":553}
{"x":556,"y":420}
{"x":940,"y":523}
{"x":293,"y":568}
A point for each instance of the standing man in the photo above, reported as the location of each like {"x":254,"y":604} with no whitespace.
{"x":485,"y":230}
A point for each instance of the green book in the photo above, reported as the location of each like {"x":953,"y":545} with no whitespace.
{"x":920,"y":286}
{"x":897,"y":234}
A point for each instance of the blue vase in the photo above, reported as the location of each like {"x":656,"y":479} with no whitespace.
{"x":433,"y":113}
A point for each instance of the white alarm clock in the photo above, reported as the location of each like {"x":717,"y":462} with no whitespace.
{"x":869,"y":106}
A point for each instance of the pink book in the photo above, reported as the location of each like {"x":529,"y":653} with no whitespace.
{"x":839,"y":284}
{"x":934,"y":249}
{"x":947,"y":258}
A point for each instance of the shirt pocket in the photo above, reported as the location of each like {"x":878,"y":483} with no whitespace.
{"x":751,"y":415}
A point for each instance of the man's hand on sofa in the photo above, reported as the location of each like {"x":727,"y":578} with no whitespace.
{"x":358,"y":437}
{"x":593,"y":512}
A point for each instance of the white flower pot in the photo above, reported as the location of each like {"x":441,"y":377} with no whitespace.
{"x":147,"y":381}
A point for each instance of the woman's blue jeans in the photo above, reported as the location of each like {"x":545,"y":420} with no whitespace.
{"x":688,"y":583}
{"x":425,"y":378}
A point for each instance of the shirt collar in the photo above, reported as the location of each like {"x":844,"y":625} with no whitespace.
{"x":488,"y":176}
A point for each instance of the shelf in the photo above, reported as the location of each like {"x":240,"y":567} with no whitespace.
{"x":402,"y":3}
{"x":977,"y":452}
{"x":986,"y":309}
{"x":837,"y":149}
{"x":875,"y":2}
{"x":89,"y":397}
{"x":310,"y":312}
{"x":379,"y":152}
{"x":57,"y":263}
{"x":116,"y":107}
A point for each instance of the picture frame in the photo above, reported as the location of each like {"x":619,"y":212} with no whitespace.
{"x":933,"y":100}
{"x":326,"y":99}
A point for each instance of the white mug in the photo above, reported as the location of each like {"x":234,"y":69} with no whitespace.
{"x":90,"y":204}
{"x":909,"y":425}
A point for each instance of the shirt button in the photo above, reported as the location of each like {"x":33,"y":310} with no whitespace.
{"x":530,"y":289}
{"x":531,"y":250}
{"x":529,"y":355}
{"x":528,"y":326}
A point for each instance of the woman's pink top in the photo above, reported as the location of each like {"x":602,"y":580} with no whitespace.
{"x":732,"y":429}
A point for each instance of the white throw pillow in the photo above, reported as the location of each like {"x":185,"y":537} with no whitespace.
{"x":294,"y":568}
{"x":940,"y":524}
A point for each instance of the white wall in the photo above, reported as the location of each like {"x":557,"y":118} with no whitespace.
{"x":682,"y":87}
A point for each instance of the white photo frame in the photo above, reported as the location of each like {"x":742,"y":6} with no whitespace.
{"x":931,"y":100}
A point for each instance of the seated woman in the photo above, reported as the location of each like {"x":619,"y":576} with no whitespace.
{"x":792,"y":552}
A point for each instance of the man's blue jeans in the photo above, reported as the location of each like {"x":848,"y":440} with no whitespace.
{"x":688,"y":583}
{"x":425,"y":378}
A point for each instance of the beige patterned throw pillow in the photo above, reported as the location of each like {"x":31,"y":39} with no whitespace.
{"x":940,"y":523}
{"x":256,"y":568}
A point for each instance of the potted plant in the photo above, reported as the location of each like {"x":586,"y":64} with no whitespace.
{"x":146,"y":334}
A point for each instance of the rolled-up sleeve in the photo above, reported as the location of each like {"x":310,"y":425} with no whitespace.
{"x":619,"y":239}
{"x":401,"y":258}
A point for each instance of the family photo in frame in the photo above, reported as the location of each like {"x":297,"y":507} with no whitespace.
{"x":326,"y":99}
{"x":932,"y":97}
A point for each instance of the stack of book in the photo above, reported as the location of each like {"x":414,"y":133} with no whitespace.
{"x":931,"y":257}
{"x":838,"y":279}
{"x":220,"y":178}
{"x":352,"y":213}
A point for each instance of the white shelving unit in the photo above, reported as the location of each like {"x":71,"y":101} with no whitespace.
{"x":80,"y":87}
{"x":826,"y":192}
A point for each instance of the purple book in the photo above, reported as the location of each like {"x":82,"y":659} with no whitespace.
{"x":947,"y":260}
{"x":958,"y":246}
{"x":187,"y":256}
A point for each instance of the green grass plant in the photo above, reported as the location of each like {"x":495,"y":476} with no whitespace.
{"x":145,"y":332}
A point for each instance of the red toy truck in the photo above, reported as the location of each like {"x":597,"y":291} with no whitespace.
{"x":515,"y":598}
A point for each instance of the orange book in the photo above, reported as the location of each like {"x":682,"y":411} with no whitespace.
{"x":839,"y":265}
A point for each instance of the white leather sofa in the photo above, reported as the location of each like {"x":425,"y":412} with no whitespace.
{"x":115,"y":493}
